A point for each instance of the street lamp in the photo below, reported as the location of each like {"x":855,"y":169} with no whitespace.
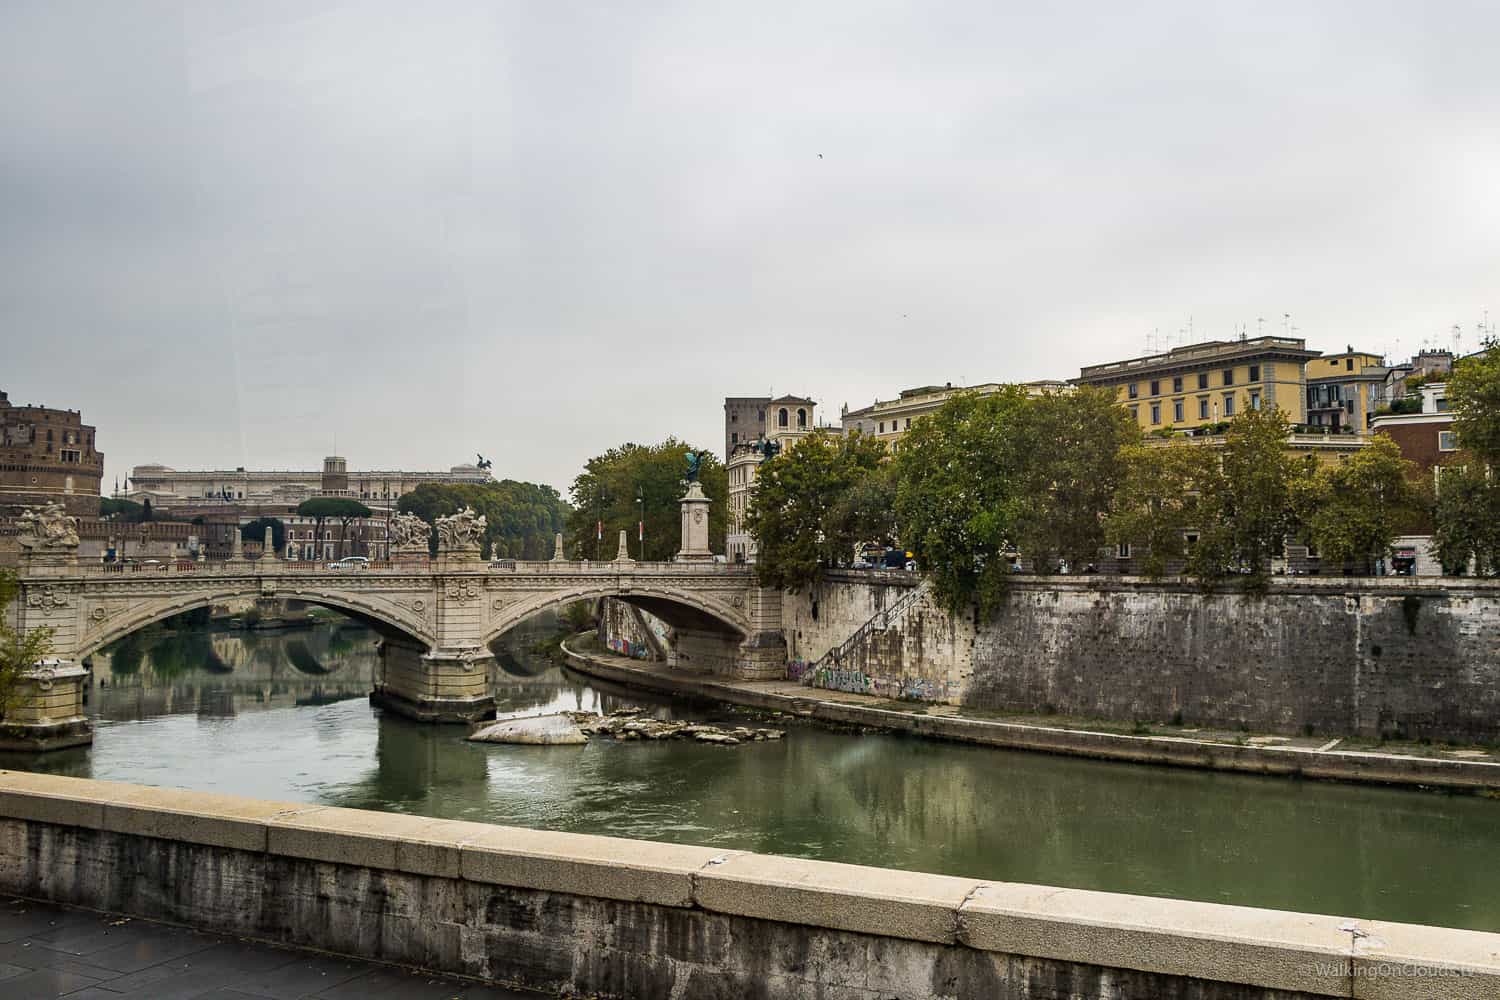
{"x":640,"y":498}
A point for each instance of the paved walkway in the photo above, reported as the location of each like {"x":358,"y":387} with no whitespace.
{"x":53,"y":951}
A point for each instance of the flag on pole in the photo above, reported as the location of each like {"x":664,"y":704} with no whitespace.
{"x":599,"y":530}
{"x":641,"y":534}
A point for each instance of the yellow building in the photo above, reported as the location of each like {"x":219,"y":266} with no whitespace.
{"x":890,"y":419}
{"x":1344,"y":390}
{"x":1207,"y":383}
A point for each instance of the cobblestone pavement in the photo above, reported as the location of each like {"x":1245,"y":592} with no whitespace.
{"x":54,"y":951}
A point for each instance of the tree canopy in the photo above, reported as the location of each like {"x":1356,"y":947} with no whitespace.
{"x":608,"y":489}
{"x":521,"y":518}
{"x":332,"y":507}
{"x":1474,"y":398}
{"x":1353,"y":511}
{"x":255,"y":531}
{"x":814,"y":502}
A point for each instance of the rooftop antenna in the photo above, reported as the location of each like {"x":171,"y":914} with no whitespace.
{"x":1286,"y":323}
{"x":1457,"y":339}
{"x":1260,"y":325}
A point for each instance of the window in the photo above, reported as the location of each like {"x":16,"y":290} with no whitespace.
{"x":1229,"y":376}
{"x":1203,"y":380}
{"x":1156,"y":413}
{"x":1135,"y":414}
{"x":801,"y":418}
{"x":908,"y":423}
{"x":1255,"y":373}
{"x":734,"y":418}
{"x":1442,"y":405}
{"x":734,"y":438}
{"x":882,"y":427}
{"x":1191,"y":540}
{"x":1176,"y":383}
{"x":1177,"y":410}
{"x":1155,"y":387}
{"x":781,"y":418}
{"x":1228,"y":404}
{"x":1134,"y":390}
{"x":1122,"y":550}
{"x":761,"y":415}
{"x":1348,"y":364}
{"x":1255,"y":401}
{"x":68,"y":456}
{"x":1447,"y":441}
{"x":1203,"y":408}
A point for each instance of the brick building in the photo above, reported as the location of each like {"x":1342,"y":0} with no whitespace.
{"x":46,"y":456}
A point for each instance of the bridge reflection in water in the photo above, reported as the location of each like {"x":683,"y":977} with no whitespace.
{"x":270,"y":729}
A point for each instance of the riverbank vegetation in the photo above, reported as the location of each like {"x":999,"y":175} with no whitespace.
{"x":18,"y":653}
{"x":1055,"y":482}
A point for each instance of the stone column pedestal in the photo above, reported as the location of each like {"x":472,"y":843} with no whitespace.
{"x":434,"y":685}
{"x":695,"y":526}
{"x":47,"y":713}
{"x":761,"y":657}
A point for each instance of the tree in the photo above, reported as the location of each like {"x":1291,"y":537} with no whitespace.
{"x":1070,"y":462}
{"x":1468,"y":520}
{"x":611,"y":485}
{"x":959,"y":501}
{"x":1157,"y":502}
{"x":1353,"y":511}
{"x":117,"y":509}
{"x":18,"y":653}
{"x":1474,"y":397}
{"x":521,"y":519}
{"x":1245,"y":506}
{"x":146,"y":509}
{"x":255,"y":531}
{"x":341,"y":509}
{"x":805,"y":514}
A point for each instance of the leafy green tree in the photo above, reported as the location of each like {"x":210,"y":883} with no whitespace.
{"x":341,"y":509}
{"x":1157,"y":502}
{"x":521,"y":518}
{"x":1246,"y":508}
{"x":611,"y":485}
{"x":959,"y":499}
{"x":18,"y":653}
{"x":255,"y":531}
{"x":119,"y":509}
{"x":1070,"y":466}
{"x":1353,"y":511}
{"x":805,"y":514}
{"x":1468,"y":520}
{"x":1474,"y":397}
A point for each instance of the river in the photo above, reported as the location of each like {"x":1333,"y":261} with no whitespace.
{"x":284,"y":715}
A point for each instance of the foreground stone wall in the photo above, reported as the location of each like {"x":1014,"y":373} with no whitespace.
{"x":1397,"y":658}
{"x":596,"y":916}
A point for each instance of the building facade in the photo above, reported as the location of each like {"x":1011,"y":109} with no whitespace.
{"x":782,"y":421}
{"x":48,"y":456}
{"x":1426,"y":439}
{"x":1344,"y":390}
{"x":890,"y":419}
{"x":168,"y":488}
{"x":1201,"y":384}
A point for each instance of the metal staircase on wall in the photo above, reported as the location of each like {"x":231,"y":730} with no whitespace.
{"x":881,"y":621}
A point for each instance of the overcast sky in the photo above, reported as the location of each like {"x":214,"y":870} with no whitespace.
{"x":235,"y":233}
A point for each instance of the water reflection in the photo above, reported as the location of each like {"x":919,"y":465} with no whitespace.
{"x":285,"y":716}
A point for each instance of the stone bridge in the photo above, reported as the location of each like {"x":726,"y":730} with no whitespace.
{"x":437,"y":618}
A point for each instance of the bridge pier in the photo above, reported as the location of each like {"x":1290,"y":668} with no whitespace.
{"x":46,"y":711}
{"x":434,"y":685}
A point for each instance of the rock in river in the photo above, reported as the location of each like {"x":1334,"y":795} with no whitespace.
{"x":537,"y":730}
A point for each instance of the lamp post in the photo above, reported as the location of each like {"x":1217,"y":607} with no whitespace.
{"x":640,"y":498}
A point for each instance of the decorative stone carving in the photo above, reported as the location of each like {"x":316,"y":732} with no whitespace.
{"x":409,"y":533}
{"x":48,"y":526}
{"x":461,"y":532}
{"x":461,"y":591}
{"x":45,"y":600}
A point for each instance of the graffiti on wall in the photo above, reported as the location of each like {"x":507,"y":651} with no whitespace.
{"x":858,"y":682}
{"x":635,"y":650}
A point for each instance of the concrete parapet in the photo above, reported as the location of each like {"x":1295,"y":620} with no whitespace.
{"x":602,"y":916}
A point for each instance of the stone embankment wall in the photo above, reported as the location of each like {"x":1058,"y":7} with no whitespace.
{"x":594,"y":916}
{"x":1396,"y":658}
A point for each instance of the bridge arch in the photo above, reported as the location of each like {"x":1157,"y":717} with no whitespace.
{"x":383,"y":615}
{"x":679,"y":608}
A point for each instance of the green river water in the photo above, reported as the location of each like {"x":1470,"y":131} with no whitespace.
{"x":285,"y":716}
